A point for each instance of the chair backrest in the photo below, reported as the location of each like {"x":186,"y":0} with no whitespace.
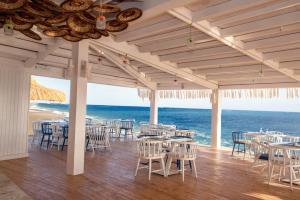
{"x":65,"y":130}
{"x":57,"y":129}
{"x":144,"y":128}
{"x":126,"y":124}
{"x":98,"y":134}
{"x":259,"y":148}
{"x":237,"y":136}
{"x":36,"y":126}
{"x":46,"y":128}
{"x":150,"y":148}
{"x":273,"y":138}
{"x":187,"y":133}
{"x":186,"y":150}
{"x":289,"y":138}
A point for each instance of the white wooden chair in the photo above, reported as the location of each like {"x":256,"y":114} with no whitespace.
{"x":261,"y":154}
{"x":57,"y":134}
{"x":186,"y":151}
{"x":98,"y":137}
{"x":37,"y":131}
{"x":150,"y":150}
{"x":293,"y":165}
{"x":114,"y":128}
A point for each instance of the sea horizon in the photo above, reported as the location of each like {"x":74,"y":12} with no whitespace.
{"x":196,"y":119}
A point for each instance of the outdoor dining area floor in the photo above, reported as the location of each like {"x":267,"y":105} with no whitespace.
{"x":110,"y":175}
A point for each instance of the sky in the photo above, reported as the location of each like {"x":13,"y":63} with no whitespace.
{"x":114,"y":95}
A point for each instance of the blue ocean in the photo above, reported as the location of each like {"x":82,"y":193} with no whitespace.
{"x":198,"y":120}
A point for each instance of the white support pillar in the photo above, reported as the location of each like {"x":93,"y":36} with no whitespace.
{"x":153,"y":107}
{"x":76,"y":137}
{"x":216,"y":113}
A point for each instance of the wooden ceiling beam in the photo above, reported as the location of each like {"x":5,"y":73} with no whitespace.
{"x":173,"y":43}
{"x":275,"y":6}
{"x":115,"y":58}
{"x":157,"y":28}
{"x":279,"y":20}
{"x":218,"y":62}
{"x":283,"y":55}
{"x":151,"y":60}
{"x":273,"y":41}
{"x":225,"y":8}
{"x":246,"y":76}
{"x":186,"y":16}
{"x":201,"y":52}
{"x":232,"y":70}
{"x":43,"y":54}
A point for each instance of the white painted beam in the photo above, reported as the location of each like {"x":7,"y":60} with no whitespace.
{"x":175,"y":42}
{"x":290,"y":54}
{"x":18,"y":52}
{"x":125,"y":66}
{"x":186,"y":16}
{"x":262,"y":24}
{"x":197,"y":52}
{"x":151,"y":60}
{"x":218,"y":62}
{"x":157,"y":28}
{"x":225,"y":8}
{"x":243,"y":76}
{"x":232,"y":70}
{"x":247,"y":14}
{"x":273,"y":41}
{"x":43,"y":54}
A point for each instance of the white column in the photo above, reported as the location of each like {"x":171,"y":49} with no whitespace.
{"x":153,"y":107}
{"x":216,"y":113}
{"x":76,"y":138}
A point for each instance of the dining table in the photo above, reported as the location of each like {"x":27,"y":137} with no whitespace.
{"x":171,"y":143}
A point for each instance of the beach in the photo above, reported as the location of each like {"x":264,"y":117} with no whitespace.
{"x":42,"y":114}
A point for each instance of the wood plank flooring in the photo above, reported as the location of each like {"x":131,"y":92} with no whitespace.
{"x":110,"y":175}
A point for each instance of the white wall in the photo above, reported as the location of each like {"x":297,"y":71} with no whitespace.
{"x":14,"y":102}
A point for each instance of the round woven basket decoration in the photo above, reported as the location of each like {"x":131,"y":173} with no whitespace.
{"x":76,"y":24}
{"x":76,"y":5}
{"x":31,"y":34}
{"x":116,"y":26}
{"x":37,"y":9}
{"x":11,"y":4}
{"x":129,"y":14}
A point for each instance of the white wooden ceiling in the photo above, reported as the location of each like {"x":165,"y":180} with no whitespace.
{"x":236,"y":44}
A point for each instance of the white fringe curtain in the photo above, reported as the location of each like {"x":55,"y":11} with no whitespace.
{"x":256,"y":93}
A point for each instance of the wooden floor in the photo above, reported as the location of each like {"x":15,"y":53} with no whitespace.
{"x":109,"y":175}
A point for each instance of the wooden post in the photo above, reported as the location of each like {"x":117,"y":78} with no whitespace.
{"x":153,"y":107}
{"x":216,"y":114}
{"x":76,"y":137}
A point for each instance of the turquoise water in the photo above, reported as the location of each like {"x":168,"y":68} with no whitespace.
{"x":198,"y":120}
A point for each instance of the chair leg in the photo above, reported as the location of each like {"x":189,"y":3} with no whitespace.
{"x":190,"y":163}
{"x":238,"y":148}
{"x":182,"y":169}
{"x":233,"y":149}
{"x":291,"y":177}
{"x":163,"y":166}
{"x":42,"y":140}
{"x":150,"y":168}
{"x":194,"y":168}
{"x":244,"y":151}
{"x":137,"y":167}
{"x":48,"y":141}
{"x":62,"y":148}
{"x":271,"y":174}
